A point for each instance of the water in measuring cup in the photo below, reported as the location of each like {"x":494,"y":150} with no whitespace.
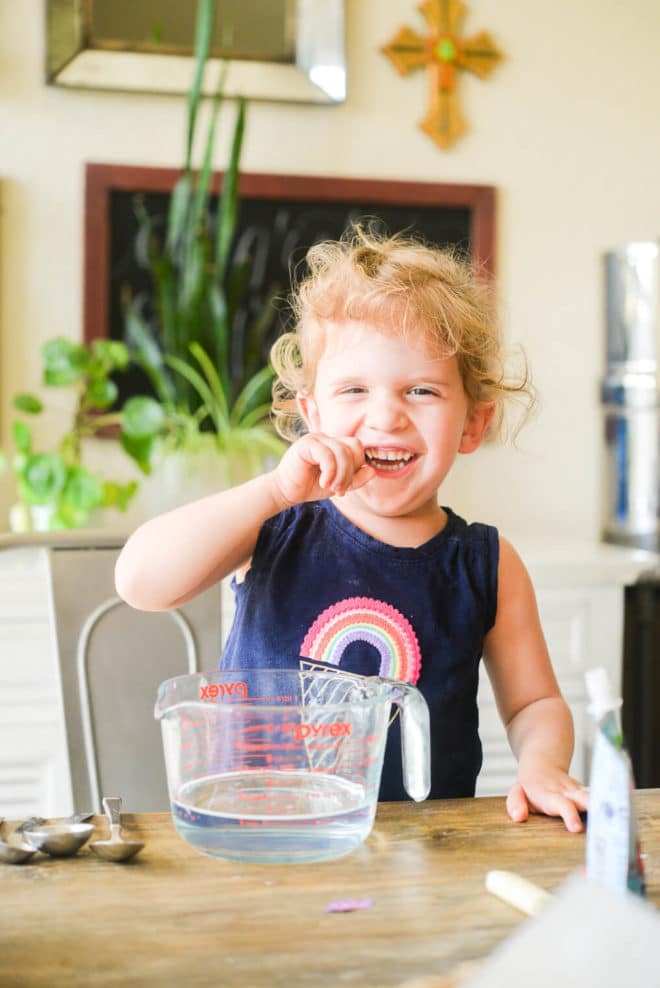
{"x":273,"y":816}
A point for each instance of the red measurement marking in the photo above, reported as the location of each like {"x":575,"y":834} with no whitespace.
{"x":261,"y":746}
{"x":246,"y":729}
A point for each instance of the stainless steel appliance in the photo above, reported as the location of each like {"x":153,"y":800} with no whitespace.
{"x":631,"y":505}
{"x":629,"y":396}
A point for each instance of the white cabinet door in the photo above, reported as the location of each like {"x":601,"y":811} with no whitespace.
{"x":583,"y":628}
{"x":33,"y":769}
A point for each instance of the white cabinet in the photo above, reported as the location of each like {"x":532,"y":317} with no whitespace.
{"x":580,"y":594}
{"x":33,"y":771}
{"x":79,"y":673}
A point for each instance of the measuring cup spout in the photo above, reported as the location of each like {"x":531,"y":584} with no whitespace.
{"x":176,"y":693}
{"x":415,"y":739}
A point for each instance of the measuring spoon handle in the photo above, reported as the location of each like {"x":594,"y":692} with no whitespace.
{"x":112,"y":807}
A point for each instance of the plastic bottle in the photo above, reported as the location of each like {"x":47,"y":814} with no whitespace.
{"x":613,"y":850}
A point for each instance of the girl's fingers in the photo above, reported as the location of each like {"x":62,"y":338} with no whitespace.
{"x":567,"y":810}
{"x":578,"y":795}
{"x":348,"y":457}
{"x":516,"y":804}
{"x":362,"y":477}
{"x":317,"y":453}
{"x":552,"y":803}
{"x":337,"y":461}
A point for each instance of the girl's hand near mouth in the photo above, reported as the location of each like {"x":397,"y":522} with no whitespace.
{"x":317,"y":466}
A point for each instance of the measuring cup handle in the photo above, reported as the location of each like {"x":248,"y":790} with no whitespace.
{"x":415,"y":740}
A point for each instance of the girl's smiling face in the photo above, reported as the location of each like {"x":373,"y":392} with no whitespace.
{"x":408,"y":408}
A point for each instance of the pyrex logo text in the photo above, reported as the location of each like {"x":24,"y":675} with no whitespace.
{"x":216,"y":690}
{"x":337,"y":730}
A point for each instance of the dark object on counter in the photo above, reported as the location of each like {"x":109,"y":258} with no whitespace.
{"x":641,"y":678}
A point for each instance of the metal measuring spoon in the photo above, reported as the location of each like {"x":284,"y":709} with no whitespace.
{"x":115,"y":849}
{"x":16,"y":850}
{"x":61,"y":839}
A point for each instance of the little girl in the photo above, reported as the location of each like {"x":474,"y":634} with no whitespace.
{"x":343,"y":554}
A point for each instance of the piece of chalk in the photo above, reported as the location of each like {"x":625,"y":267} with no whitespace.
{"x":517,"y":891}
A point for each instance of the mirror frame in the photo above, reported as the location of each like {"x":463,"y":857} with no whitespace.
{"x":317,"y":76}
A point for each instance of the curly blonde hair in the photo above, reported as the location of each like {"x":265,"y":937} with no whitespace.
{"x":403,"y":286}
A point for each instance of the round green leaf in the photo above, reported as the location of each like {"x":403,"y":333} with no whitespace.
{"x":142,"y":418}
{"x":18,"y":463}
{"x":140,"y":450}
{"x":43,"y":478}
{"x":111,"y":352}
{"x":102,"y":393}
{"x":29,"y":404}
{"x":22,"y":437}
{"x":69,"y":517}
{"x":83,"y":491}
{"x":69,"y":449}
{"x":118,"y":495}
{"x":64,"y":362}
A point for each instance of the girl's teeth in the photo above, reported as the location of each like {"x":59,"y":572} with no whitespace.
{"x":387,"y":456}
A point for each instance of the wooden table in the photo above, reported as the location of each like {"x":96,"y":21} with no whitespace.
{"x":175,"y":917}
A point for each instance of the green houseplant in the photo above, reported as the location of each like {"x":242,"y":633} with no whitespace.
{"x":213,"y":387}
{"x":55,"y":488}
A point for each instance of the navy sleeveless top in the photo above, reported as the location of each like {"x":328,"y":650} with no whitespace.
{"x":415,"y":614}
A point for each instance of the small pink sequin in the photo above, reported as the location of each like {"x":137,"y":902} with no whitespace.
{"x":348,"y":905}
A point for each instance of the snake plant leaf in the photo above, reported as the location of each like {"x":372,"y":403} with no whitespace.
{"x":259,"y":331}
{"x":220,"y":328}
{"x":193,"y":282}
{"x":228,"y":206}
{"x":215,"y":411}
{"x":236,"y":283}
{"x":253,"y":391}
{"x":64,"y":362}
{"x":256,"y":415}
{"x":148,"y":353}
{"x":147,"y":245}
{"x":203,"y":33}
{"x":166,"y":301}
{"x":27,"y":403}
{"x":142,"y":417}
{"x":203,"y":185}
{"x":211,"y":376}
{"x":43,"y":478}
{"x":22,"y":437}
{"x":177,"y":216}
{"x":261,"y":440}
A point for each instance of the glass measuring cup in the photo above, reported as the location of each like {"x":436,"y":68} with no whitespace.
{"x":284,"y":766}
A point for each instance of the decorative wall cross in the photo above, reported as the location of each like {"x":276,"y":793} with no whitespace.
{"x":443,"y":52}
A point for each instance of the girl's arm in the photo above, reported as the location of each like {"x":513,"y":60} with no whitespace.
{"x":177,"y":555}
{"x":537,"y":720}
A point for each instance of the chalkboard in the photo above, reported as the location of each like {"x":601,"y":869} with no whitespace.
{"x":280,"y":217}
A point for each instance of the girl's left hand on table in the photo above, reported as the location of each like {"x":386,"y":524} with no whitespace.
{"x":544,"y":788}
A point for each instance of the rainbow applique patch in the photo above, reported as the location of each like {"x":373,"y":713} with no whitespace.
{"x":367,"y":620}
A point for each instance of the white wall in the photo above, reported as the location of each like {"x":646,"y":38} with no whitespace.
{"x":566,"y":129}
